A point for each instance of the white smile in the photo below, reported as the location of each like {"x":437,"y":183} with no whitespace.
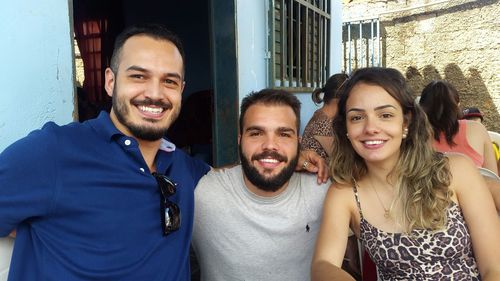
{"x":373,"y":142}
{"x":269,"y":160}
{"x":154,"y":110}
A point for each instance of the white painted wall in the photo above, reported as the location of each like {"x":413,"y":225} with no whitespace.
{"x":36,"y":75}
{"x":252,"y":39}
{"x":37,"y":66}
{"x":251,"y":20}
{"x":336,"y":37}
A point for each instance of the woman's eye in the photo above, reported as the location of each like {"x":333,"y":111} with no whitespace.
{"x":355,"y":118}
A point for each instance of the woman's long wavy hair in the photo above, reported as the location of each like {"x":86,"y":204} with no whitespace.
{"x":422,"y":175}
{"x":440,"y":100}
{"x":330,"y":90}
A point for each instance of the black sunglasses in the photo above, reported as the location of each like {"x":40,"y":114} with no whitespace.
{"x":169,"y":211}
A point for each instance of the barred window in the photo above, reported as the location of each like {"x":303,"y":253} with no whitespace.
{"x":299,"y":43}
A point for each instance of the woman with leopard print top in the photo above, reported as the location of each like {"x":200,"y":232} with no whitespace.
{"x":420,"y":214}
{"x":318,"y":134}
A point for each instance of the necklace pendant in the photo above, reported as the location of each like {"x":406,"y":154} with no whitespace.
{"x":386,"y":214}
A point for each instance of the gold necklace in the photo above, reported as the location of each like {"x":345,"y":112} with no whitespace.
{"x":386,"y":211}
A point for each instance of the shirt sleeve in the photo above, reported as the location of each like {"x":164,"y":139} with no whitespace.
{"x":199,"y":169}
{"x":27,"y":176}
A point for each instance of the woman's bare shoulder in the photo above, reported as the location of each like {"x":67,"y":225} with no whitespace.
{"x":464,"y":172}
{"x":340,"y":191}
{"x":341,"y":187}
{"x":458,"y":161}
{"x":476,"y":127}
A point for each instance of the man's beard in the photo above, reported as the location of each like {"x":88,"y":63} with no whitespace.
{"x":273,"y":183}
{"x":142,"y":132}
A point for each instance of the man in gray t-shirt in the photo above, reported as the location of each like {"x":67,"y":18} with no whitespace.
{"x":259,"y":220}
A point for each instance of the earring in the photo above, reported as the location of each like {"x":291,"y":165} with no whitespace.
{"x":405,"y":133}
{"x":347,"y":135}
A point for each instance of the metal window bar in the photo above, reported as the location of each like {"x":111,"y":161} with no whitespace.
{"x":372,"y":56}
{"x":350,"y":49}
{"x":306,"y":43}
{"x":365,"y":49}
{"x":312,"y":50}
{"x":379,"y":43}
{"x":283,"y":42}
{"x":290,"y":44}
{"x":319,"y":60}
{"x":361,"y":46}
{"x":320,"y":51}
{"x":299,"y":42}
{"x":297,"y":47}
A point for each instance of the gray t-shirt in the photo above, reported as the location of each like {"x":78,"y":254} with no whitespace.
{"x":241,"y":236}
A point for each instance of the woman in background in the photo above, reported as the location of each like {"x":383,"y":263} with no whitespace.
{"x":418,"y":212}
{"x":318,"y":134}
{"x":474,"y":114}
{"x":440,"y":101}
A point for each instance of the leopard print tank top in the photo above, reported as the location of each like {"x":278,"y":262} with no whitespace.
{"x":319,"y":125}
{"x":422,"y":255}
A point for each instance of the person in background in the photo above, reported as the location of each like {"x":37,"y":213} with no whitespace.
{"x":493,"y":181}
{"x":318,"y":135}
{"x":259,"y":220}
{"x":495,"y":139}
{"x":416,"y":210}
{"x":474,"y":114}
{"x":440,"y":101}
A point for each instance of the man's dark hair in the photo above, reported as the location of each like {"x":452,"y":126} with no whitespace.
{"x":270,"y":97}
{"x":155,"y":31}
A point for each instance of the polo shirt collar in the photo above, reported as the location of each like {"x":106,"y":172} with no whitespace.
{"x":104,"y":126}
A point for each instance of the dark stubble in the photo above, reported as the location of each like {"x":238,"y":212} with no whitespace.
{"x":144,"y":132}
{"x":270,"y":184}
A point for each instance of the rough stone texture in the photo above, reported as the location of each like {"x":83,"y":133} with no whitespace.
{"x":456,"y":40}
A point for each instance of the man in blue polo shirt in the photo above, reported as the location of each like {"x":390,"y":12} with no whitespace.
{"x":107,"y":199}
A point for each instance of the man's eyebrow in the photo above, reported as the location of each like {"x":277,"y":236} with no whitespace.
{"x":136,"y":68}
{"x":251,"y":128}
{"x":286,"y":130}
{"x":279,"y":129}
{"x":173,"y":75}
{"x":142,"y":69}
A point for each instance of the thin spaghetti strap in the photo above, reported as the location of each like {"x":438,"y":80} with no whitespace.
{"x":355,"y":189}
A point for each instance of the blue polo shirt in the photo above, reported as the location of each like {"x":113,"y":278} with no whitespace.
{"x":86,"y":207}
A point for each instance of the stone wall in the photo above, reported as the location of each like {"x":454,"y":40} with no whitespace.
{"x":456,"y":40}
